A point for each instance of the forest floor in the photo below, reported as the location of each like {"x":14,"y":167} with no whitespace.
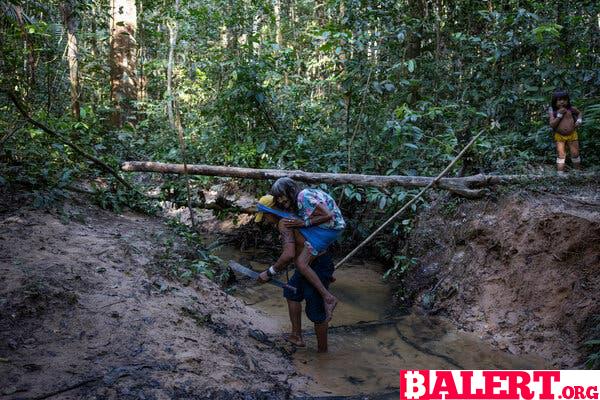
{"x":86,"y":312}
{"x":522,"y":271}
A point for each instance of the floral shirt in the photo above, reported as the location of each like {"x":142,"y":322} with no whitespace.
{"x":307,"y":202}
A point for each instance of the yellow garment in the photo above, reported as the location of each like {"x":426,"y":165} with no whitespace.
{"x":267,"y":201}
{"x":571,"y":137}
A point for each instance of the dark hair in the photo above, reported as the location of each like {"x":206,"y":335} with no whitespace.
{"x":288,"y":188}
{"x":560,"y":94}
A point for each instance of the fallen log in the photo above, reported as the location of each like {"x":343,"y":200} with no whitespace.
{"x":469,"y":186}
{"x":455,"y":185}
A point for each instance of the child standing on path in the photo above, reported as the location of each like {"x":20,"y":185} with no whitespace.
{"x":564,"y":119}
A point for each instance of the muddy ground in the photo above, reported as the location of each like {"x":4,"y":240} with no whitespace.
{"x":87,"y":313}
{"x":522,"y":271}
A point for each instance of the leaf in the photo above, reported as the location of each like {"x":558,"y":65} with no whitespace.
{"x":261,"y":147}
{"x":377,"y":87}
{"x":382,"y":202}
{"x":390,"y":87}
{"x":411,"y":64}
{"x":411,"y":145}
{"x":65,"y":178}
{"x":124,"y":136}
{"x":260,"y":98}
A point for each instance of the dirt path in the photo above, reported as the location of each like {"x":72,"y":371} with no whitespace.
{"x":86,"y":313}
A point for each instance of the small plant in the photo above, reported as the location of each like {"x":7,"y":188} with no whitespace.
{"x":401,"y":266}
{"x":593,"y":359}
{"x":203,"y":263}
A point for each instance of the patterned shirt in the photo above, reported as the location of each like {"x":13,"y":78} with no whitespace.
{"x":307,"y":202}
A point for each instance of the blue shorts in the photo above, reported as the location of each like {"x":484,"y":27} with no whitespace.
{"x":315,"y":307}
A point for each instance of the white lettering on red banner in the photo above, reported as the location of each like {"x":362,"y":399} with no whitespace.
{"x":499,"y":385}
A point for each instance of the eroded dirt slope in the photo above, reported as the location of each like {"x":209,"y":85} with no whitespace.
{"x":523,"y":272}
{"x":86,"y":313}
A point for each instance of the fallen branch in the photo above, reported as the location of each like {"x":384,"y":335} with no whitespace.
{"x":468,"y":186}
{"x":414,"y":199}
{"x":454,"y":185}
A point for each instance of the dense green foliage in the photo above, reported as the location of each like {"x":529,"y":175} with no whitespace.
{"x":373,"y":86}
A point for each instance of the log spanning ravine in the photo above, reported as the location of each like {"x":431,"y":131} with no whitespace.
{"x":470,"y":186}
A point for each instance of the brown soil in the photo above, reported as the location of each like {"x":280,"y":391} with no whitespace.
{"x":522,"y":272}
{"x":87,"y":312}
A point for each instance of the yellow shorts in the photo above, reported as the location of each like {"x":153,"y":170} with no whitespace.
{"x":571,"y":137}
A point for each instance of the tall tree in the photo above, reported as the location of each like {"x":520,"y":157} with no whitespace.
{"x":172,"y":27}
{"x":278,"y":34}
{"x":71,"y":24}
{"x":123,"y":57}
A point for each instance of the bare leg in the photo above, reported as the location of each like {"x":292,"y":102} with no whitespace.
{"x":321,"y":333}
{"x":295,"y":310}
{"x":574,"y":150}
{"x":561,"y":152}
{"x":303,"y":265}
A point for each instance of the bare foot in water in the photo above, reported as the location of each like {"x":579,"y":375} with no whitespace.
{"x":295,"y":340}
{"x":330,"y":304}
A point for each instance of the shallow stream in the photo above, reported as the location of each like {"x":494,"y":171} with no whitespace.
{"x":368,"y":343}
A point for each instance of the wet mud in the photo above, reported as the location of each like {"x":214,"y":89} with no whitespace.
{"x":368,"y":343}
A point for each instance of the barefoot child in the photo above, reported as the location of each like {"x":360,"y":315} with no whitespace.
{"x":564,"y":119}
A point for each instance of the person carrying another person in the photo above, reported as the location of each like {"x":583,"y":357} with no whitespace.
{"x":306,"y":237}
{"x":564,"y":119}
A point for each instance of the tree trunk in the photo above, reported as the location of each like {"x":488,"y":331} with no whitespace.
{"x":142,"y":56}
{"x":71,"y":24}
{"x":172,"y":27}
{"x":416,"y":9}
{"x":123,"y":53}
{"x":278,"y":34}
{"x":29,"y":65}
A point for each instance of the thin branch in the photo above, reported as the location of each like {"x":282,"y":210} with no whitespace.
{"x":361,"y":107}
{"x":9,"y":134}
{"x":21,"y":107}
{"x":414,"y":199}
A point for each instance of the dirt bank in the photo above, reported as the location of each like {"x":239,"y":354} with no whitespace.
{"x":521,"y":271}
{"x":86,"y":312}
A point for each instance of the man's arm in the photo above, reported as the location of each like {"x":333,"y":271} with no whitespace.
{"x":287,"y":254}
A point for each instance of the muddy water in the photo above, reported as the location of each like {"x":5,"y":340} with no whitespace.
{"x":367,"y":344}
